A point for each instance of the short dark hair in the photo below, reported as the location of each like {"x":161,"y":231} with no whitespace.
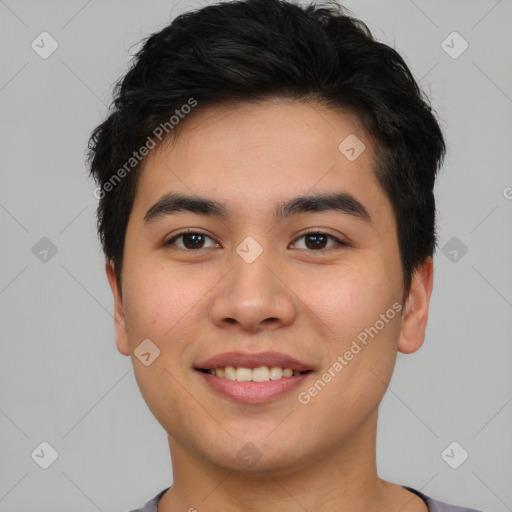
{"x":250,"y":50}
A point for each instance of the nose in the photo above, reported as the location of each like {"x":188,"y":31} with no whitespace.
{"x":253,"y":296}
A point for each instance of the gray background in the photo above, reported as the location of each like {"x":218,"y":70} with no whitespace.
{"x":61,"y":378}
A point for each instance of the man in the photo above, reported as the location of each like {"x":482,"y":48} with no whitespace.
{"x":268,"y":220}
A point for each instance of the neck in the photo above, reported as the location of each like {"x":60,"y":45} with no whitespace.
{"x":342,"y":479}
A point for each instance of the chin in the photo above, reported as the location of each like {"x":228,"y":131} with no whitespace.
{"x":259,"y":457}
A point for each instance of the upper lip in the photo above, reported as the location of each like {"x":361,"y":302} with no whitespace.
{"x":254,"y":360}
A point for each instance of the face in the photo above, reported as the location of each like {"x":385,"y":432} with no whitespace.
{"x":258,"y":279}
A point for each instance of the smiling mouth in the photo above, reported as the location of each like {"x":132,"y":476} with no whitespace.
{"x":260,"y":374}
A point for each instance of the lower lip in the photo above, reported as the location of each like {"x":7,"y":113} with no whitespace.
{"x":253,"y":392}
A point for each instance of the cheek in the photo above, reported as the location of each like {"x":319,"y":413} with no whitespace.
{"x":363,"y":328}
{"x":155,"y":302}
{"x":349,"y":299}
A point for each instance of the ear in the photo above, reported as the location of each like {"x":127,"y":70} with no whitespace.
{"x":121,"y":334}
{"x":415,"y":315}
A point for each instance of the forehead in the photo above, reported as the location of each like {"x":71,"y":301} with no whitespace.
{"x":254,"y":156}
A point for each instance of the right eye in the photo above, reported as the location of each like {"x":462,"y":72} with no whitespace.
{"x":192,"y":240}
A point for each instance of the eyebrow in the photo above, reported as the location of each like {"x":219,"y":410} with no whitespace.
{"x":342,"y":202}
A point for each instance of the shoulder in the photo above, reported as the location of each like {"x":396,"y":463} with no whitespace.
{"x":440,"y":506}
{"x":151,"y":505}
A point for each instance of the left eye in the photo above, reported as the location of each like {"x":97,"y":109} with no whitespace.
{"x":319,"y":239}
{"x":193,"y":240}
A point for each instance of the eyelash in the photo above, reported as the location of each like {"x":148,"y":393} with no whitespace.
{"x":192,"y":232}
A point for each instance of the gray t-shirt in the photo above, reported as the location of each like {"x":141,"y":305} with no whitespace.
{"x":433,"y":505}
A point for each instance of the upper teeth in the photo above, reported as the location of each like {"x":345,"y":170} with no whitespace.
{"x":261,"y":374}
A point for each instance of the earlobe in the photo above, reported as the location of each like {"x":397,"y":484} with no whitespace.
{"x":415,"y":316}
{"x":119,"y":319}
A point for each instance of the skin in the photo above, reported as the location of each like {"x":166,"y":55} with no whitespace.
{"x":306,"y":302}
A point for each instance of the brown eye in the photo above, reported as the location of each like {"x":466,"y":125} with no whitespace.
{"x":316,"y":240}
{"x":191,"y":240}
